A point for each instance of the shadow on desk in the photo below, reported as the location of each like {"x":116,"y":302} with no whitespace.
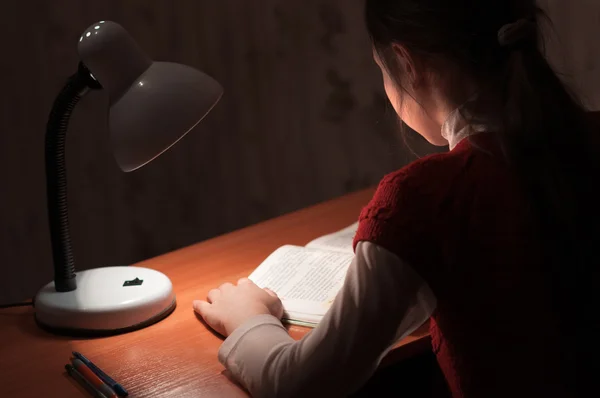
{"x":417,"y":377}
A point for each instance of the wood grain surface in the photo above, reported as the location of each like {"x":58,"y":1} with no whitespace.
{"x":178,"y":356}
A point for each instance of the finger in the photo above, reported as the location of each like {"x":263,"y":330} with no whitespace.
{"x":210,"y":315}
{"x":272,"y":293}
{"x":225,"y":286}
{"x":244,"y":281}
{"x":213,"y":295}
{"x":201,"y":307}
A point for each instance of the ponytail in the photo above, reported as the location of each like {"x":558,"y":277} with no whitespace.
{"x":546,"y":140}
{"x":543,"y":134}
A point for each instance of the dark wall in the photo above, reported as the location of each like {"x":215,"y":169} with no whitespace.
{"x":303,"y":119}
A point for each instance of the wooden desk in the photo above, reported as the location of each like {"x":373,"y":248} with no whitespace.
{"x":178,"y":356}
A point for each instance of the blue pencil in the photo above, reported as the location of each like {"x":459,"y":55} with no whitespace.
{"x":78,"y":377}
{"x":103,"y":376}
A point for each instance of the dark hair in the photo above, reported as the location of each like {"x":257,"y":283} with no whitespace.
{"x":542,"y":128}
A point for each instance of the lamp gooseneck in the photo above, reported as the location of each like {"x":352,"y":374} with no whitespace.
{"x":56,"y":176}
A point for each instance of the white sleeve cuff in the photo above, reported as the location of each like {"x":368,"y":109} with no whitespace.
{"x":238,"y":334}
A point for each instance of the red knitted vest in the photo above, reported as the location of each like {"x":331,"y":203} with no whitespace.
{"x":461,"y":222}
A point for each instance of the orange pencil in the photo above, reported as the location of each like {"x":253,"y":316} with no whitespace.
{"x":92,"y":378}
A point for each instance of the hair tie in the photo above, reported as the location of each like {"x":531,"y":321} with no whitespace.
{"x":512,"y":33}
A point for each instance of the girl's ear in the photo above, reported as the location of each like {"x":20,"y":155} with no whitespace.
{"x":407,"y":62}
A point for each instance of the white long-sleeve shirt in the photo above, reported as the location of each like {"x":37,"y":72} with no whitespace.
{"x":382,"y":301}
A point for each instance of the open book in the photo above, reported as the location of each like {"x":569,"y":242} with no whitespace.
{"x":307,"y":278}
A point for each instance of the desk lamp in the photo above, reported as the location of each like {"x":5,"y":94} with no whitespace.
{"x":152,"y":106}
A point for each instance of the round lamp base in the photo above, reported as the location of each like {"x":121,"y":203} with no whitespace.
{"x":107,"y":301}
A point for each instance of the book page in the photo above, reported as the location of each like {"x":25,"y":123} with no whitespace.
{"x":338,"y":241}
{"x":307,"y":280}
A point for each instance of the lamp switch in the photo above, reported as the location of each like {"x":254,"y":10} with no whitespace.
{"x":134,"y":282}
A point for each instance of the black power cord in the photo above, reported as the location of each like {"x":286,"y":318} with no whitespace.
{"x":21,"y":304}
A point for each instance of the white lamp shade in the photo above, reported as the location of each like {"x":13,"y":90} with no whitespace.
{"x":153,"y":104}
{"x":165,"y":103}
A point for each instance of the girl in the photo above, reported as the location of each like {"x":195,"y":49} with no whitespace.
{"x":491,"y":240}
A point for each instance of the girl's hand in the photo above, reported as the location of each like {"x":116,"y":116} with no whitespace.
{"x":229,"y":306}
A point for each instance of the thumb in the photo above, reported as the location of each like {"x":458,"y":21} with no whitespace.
{"x":275,"y":306}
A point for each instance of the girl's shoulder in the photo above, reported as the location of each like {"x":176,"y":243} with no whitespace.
{"x":409,"y":204}
{"x":422,"y":186}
